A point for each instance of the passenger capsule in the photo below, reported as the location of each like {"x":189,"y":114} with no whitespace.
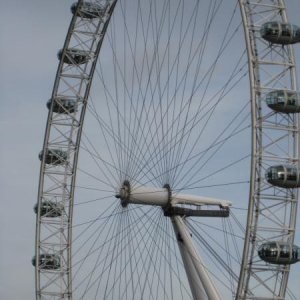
{"x":279,"y":253}
{"x":74,"y":56}
{"x":280,"y":33}
{"x":283,"y":176}
{"x":284,"y":101}
{"x":47,"y":261}
{"x":54,"y":156}
{"x":63,"y":106}
{"x":89,"y":10}
{"x":49,"y":209}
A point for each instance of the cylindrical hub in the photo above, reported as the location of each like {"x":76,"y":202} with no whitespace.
{"x":143,"y":195}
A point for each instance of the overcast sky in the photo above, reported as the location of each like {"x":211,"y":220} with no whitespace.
{"x":31,"y":33}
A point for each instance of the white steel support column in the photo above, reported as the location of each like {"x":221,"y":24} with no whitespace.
{"x":195,"y":269}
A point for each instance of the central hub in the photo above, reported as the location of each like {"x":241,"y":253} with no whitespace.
{"x":143,"y":195}
{"x":124,"y":193}
{"x":164,"y":198}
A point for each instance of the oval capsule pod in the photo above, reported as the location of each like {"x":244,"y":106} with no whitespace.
{"x":62,"y":106}
{"x":283,"y":176}
{"x":47,"y":261}
{"x":279,"y":253}
{"x":54,"y":156}
{"x":49,"y":209}
{"x":280,"y":33}
{"x":74,"y":56}
{"x":89,"y":10}
{"x":284,"y":101}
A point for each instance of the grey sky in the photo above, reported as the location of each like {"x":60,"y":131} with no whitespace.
{"x":31,"y":33}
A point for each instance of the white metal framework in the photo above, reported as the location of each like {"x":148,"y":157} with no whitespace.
{"x":173,"y":138}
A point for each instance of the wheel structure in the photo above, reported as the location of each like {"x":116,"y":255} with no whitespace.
{"x":170,"y":163}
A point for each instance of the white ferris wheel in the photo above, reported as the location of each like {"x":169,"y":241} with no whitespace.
{"x":170,"y":164}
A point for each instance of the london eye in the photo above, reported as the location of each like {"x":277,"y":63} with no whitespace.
{"x":170,"y":163}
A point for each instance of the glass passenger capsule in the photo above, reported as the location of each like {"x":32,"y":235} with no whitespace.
{"x":49,"y":209}
{"x":283,"y":176}
{"x":284,"y":101}
{"x":74,"y":56}
{"x":54,"y":156}
{"x":63,"y":106}
{"x":280,"y":33}
{"x":47,"y":261}
{"x":279,"y":253}
{"x":89,"y":10}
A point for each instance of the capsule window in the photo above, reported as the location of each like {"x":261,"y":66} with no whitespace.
{"x":286,"y":30}
{"x":273,"y":29}
{"x":292,"y":98}
{"x":295,"y":253}
{"x":284,"y":251}
{"x":291,"y":174}
{"x":277,"y":173}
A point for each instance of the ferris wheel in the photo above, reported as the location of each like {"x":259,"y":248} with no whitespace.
{"x":170,"y":163}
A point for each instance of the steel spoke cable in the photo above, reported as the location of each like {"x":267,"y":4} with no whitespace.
{"x":188,"y":175}
{"x":107,"y":219}
{"x":151,"y":262}
{"x":105,"y":266}
{"x":101,"y":217}
{"x":210,"y":72}
{"x":103,"y":198}
{"x":116,"y":141}
{"x":217,"y":242}
{"x":228,"y":257}
{"x":140,"y":257}
{"x":115,"y":66}
{"x":155,"y":109}
{"x":153,"y":245}
{"x":104,"y":260}
{"x":113,"y":258}
{"x":105,"y":128}
{"x":198,"y":121}
{"x":89,"y":276}
{"x":204,"y":152}
{"x":81,"y":262}
{"x":212,"y":111}
{"x":140,"y":93}
{"x":226,"y":270}
{"x":155,"y":42}
{"x":234,"y":240}
{"x":158,"y":30}
{"x":209,"y":21}
{"x":202,"y":130}
{"x":92,"y":189}
{"x":160,"y":250}
{"x":229,"y":165}
{"x":162,"y":232}
{"x":218,"y":229}
{"x":157,"y":89}
{"x":166,"y":85}
{"x":127,"y":90}
{"x":95,"y":177}
{"x":158,"y":74}
{"x":176,"y":80}
{"x":107,"y":240}
{"x":217,"y":143}
{"x":195,"y":143}
{"x":96,"y":158}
